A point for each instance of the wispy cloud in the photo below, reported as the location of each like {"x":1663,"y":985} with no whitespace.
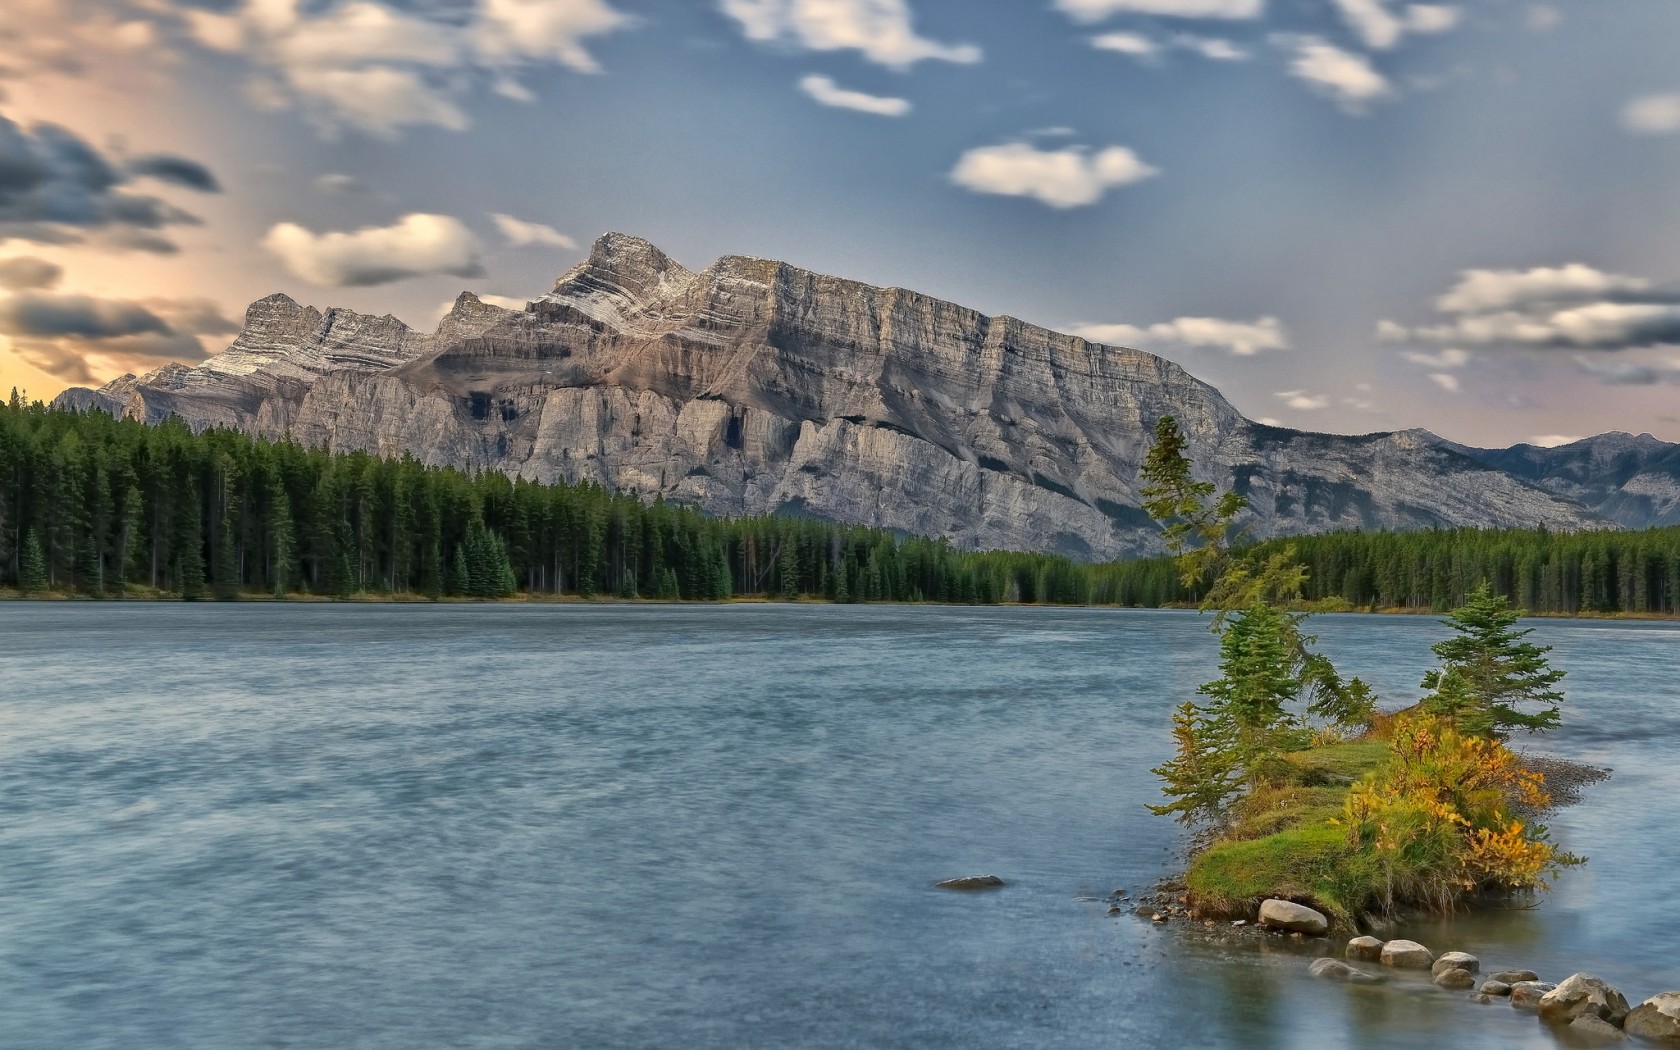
{"x":1345,"y":77}
{"x":827,"y":92}
{"x":520,"y":233}
{"x":1652,"y":115}
{"x":1097,"y":10}
{"x":1571,"y":306}
{"x":1240,"y":338}
{"x":880,"y":30}
{"x":380,"y":68}
{"x":1302,"y":401}
{"x":416,"y":245}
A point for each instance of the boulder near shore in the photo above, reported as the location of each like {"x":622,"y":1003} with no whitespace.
{"x":1657,"y":1019}
{"x":971,"y":882}
{"x":1296,"y":918}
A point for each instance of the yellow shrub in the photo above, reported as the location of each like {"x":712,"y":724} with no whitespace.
{"x":1437,"y":817}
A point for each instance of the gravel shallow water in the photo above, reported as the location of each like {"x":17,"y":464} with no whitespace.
{"x":709,"y":827}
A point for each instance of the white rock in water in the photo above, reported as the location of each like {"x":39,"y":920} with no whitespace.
{"x":1657,"y":1018}
{"x":1407,"y":955}
{"x":1580,"y":994}
{"x":1455,"y":961}
{"x":1297,"y":918}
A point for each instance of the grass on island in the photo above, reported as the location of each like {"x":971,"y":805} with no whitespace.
{"x":1281,"y":841}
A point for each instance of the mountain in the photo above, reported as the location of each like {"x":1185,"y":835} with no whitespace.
{"x":753,"y":386}
{"x":1632,"y":481}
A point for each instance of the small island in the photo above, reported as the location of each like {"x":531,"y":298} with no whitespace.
{"x":1317,"y":812}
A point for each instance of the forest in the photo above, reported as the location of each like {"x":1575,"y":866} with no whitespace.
{"x":96,"y":506}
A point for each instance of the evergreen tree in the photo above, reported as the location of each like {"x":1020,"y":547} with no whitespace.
{"x":1203,"y":776}
{"x":282,"y":551}
{"x":1487,"y":670}
{"x":33,"y":576}
{"x":189,"y":544}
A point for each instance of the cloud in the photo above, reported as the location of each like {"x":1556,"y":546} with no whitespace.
{"x":1571,"y":306}
{"x":1379,"y":28}
{"x":1652,"y":115}
{"x":1449,"y":358}
{"x":1345,"y":77}
{"x":827,"y":92}
{"x":520,"y":233}
{"x":1097,"y":10}
{"x":83,"y":338}
{"x":379,"y":68}
{"x":1302,"y":401}
{"x":1630,"y":373}
{"x":1446,"y":381}
{"x":338,"y":183}
{"x":416,"y":245}
{"x":1241,"y":338}
{"x":1482,"y":291}
{"x":1126,"y":44}
{"x":26,"y":272}
{"x":1554,"y":440}
{"x":1139,"y":46}
{"x":177,"y":170}
{"x":1543,"y":18}
{"x":1064,"y":178}
{"x":54,"y":187}
{"x":880,"y":30}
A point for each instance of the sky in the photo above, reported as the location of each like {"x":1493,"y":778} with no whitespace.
{"x":1348,"y":215}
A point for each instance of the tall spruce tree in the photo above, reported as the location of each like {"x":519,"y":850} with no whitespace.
{"x":32,"y":577}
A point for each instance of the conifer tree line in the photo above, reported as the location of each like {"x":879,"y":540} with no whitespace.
{"x":98,"y":506}
{"x":1535,"y":569}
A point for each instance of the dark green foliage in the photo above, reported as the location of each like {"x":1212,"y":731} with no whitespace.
{"x":1541,"y":571}
{"x":113,"y":503}
{"x":1195,"y":527}
{"x":1487,"y":670}
{"x":34,"y":572}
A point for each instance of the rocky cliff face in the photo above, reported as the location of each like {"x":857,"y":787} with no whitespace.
{"x":754,"y":387}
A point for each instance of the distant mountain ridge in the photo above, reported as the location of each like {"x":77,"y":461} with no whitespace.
{"x":1631,"y":480}
{"x":753,"y":386}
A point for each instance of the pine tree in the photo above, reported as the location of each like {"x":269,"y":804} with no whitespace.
{"x":788,"y":568}
{"x":33,"y":574}
{"x":460,"y":581}
{"x":1495,"y":669}
{"x":1202,"y":777}
{"x":282,"y":549}
{"x":189,"y":543}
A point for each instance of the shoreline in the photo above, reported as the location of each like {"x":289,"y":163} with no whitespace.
{"x":11,"y":594}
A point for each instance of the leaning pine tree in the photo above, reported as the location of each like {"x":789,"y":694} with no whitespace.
{"x":1232,"y":741}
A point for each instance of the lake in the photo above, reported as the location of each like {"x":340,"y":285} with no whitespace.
{"x":348,"y":826}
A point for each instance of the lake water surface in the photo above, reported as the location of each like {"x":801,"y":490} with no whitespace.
{"x":229,"y":826}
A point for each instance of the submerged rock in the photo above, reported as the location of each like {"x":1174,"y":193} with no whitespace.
{"x":1298,"y":918}
{"x":1454,"y":977}
{"x":971,"y":882}
{"x":1492,"y":987}
{"x":1581,"y":994}
{"x":1407,"y":955}
{"x":1514,"y":976}
{"x":1455,"y":961}
{"x":1587,"y":1027}
{"x":1657,"y":1018}
{"x":1368,"y":948}
{"x":1337,"y":970}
